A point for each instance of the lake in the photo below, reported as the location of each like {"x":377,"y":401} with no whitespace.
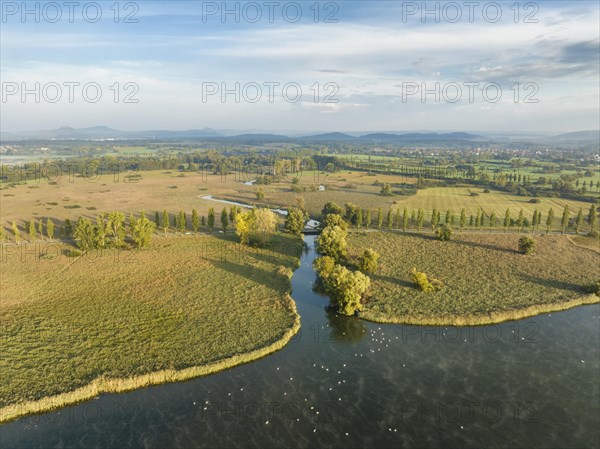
{"x":344,"y":382}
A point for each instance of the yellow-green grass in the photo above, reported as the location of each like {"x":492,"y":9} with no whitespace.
{"x":155,"y":190}
{"x":456,"y":198}
{"x":486,"y":279}
{"x":186,"y":306}
{"x":591,"y":242}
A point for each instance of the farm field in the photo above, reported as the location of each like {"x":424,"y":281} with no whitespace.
{"x":118,"y":320}
{"x":455,"y":198}
{"x":486,"y":279}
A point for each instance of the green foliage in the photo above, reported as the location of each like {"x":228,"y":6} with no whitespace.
{"x":195,"y":220}
{"x":526,"y":245}
{"x":386,"y":190}
{"x":224,"y":219}
{"x":141,"y":231}
{"x":369,"y":262}
{"x":331,"y":208}
{"x":564,"y":222}
{"x":211,"y":218}
{"x":594,"y":288}
{"x":351,"y":213}
{"x":424,"y":283}
{"x":32,"y":230}
{"x":444,"y":233}
{"x":296,"y":221}
{"x":379,"y":218}
{"x":332,"y":242}
{"x":344,"y":287}
{"x":260,"y":194}
{"x":85,"y":234}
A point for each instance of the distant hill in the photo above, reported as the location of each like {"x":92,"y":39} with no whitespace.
{"x":328,"y":137}
{"x":416,"y":137}
{"x":579,"y":136}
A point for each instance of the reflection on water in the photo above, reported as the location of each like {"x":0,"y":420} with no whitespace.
{"x":343,"y":382}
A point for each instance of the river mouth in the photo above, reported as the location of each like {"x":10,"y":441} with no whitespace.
{"x":345,"y":382}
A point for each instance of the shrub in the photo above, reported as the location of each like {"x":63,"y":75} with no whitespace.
{"x":423,"y":283}
{"x":594,"y":288}
{"x":526,"y":245}
{"x":369,"y":262}
{"x":486,"y":190}
{"x":284,"y":271}
{"x":444,"y":233}
{"x":535,"y":200}
{"x":474,"y":194}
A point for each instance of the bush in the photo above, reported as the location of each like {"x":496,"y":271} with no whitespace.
{"x":594,"y":288}
{"x":535,"y":200}
{"x":284,"y":271}
{"x":486,"y":190}
{"x":526,"y":245}
{"x":369,"y":262}
{"x":444,"y":233}
{"x":423,"y":283}
{"x":474,"y":194}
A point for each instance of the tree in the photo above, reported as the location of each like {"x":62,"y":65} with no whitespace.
{"x":420,"y":219}
{"x":68,"y":228}
{"x":85,"y":235}
{"x":32,"y":231}
{"x":345,"y":288}
{"x":40,"y":229}
{"x":379,"y":219}
{"x":296,"y":221}
{"x":264,"y":224}
{"x":368,"y":219}
{"x":564,"y":222}
{"x":351,"y":213}
{"x":448,"y":219}
{"x":444,"y":233}
{"x":142,"y":231}
{"x":526,"y":245}
{"x":115,"y":228}
{"x":390,"y":219}
{"x":463,"y":219}
{"x":424,"y":283}
{"x":332,"y":242}
{"x":506,"y":220}
{"x":521,"y":220}
{"x":195,"y":221}
{"x":157,"y":219}
{"x":493,"y":220}
{"x":591,"y":218}
{"x":369,"y":262}
{"x":386,"y":190}
{"x":578,"y":220}
{"x":50,"y":228}
{"x":165,"y":221}
{"x":260,"y":194}
{"x":16,"y":232}
{"x":211,"y":219}
{"x":243,"y":226}
{"x":101,"y":231}
{"x":232,"y":212}
{"x":549,"y":220}
{"x":224,"y":219}
{"x":359,"y":218}
{"x":434,"y":219}
{"x":405,"y":219}
{"x":331,"y":208}
{"x":203,"y":220}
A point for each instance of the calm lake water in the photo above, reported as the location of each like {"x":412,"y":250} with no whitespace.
{"x":343,"y":382}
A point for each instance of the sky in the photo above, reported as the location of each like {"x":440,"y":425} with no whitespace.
{"x":294,"y":66}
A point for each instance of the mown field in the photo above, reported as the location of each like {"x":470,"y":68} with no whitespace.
{"x":184,"y":302}
{"x":455,"y":198}
{"x":486,"y":279}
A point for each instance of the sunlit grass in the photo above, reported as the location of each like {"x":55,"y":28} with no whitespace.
{"x":486,"y":279}
{"x":184,"y":307}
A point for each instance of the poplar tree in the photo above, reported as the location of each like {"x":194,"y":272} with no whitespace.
{"x":549,"y":220}
{"x":195,"y":220}
{"x":211,"y":219}
{"x":165,"y":221}
{"x":379,"y":219}
{"x":224,"y":220}
{"x":578,"y":221}
{"x":564,"y":222}
{"x":463,"y":219}
{"x":405,"y":219}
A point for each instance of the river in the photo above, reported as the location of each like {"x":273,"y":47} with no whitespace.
{"x":344,"y":382}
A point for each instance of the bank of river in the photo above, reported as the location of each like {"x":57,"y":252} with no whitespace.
{"x":345,"y":382}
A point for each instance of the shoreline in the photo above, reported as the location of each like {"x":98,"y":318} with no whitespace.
{"x":484,"y":320}
{"x":103,"y":385}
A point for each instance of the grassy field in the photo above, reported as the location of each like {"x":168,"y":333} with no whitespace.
{"x":114,"y":321}
{"x":486,"y":279}
{"x":455,"y":198}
